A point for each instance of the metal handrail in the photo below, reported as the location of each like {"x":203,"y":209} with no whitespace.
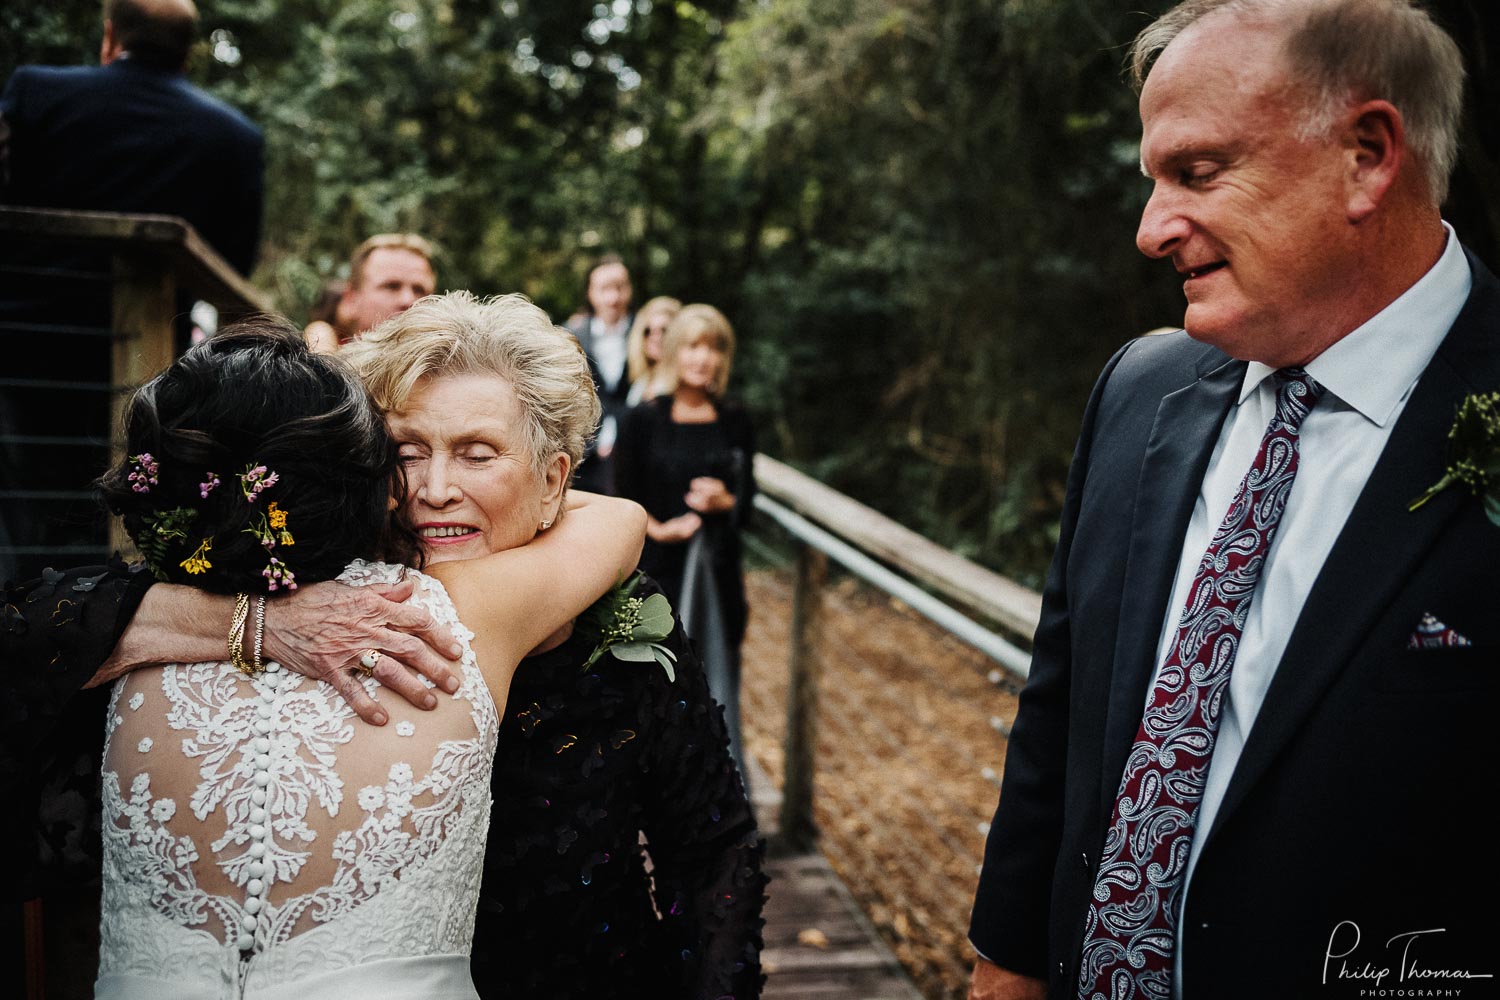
{"x":1010,"y":656}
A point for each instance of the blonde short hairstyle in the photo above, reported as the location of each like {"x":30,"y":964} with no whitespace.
{"x":637,"y":364}
{"x":457,"y":333}
{"x":696,"y":323}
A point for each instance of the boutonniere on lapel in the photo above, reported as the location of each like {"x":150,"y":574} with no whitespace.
{"x":631,"y":628}
{"x":1474,"y":454}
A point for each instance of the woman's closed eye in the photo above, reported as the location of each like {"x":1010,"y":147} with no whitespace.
{"x":478,"y":456}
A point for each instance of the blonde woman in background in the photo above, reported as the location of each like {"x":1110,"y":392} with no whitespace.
{"x":686,"y":457}
{"x":643,"y":348}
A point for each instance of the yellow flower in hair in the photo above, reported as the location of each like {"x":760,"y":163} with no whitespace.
{"x":278,"y":525}
{"x":198,"y":561}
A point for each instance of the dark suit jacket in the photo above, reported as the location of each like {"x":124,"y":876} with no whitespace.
{"x":129,"y":138}
{"x":595,"y":474}
{"x":1357,"y":794}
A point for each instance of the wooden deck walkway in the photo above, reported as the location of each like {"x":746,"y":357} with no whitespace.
{"x":818,"y":944}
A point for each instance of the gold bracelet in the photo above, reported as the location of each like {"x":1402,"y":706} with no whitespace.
{"x":260,"y":632}
{"x":237,"y":633}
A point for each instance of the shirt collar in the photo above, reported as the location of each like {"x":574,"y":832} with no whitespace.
{"x":597,"y":327}
{"x":1374,"y":367}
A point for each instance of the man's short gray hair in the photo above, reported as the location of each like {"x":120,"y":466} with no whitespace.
{"x":1343,"y":50}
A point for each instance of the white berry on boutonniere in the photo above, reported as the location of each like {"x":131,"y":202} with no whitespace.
{"x":1474,"y":450}
{"x":631,"y":628}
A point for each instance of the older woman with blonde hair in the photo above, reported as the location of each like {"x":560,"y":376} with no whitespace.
{"x":595,"y":751}
{"x":686,"y":457}
{"x":643,"y":348}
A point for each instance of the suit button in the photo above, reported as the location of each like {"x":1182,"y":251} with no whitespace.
{"x":1085,"y":860}
{"x":1061,"y":968}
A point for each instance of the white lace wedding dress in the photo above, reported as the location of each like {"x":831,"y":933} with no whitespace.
{"x":261,"y":842}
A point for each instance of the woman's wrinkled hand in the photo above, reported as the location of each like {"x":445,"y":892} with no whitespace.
{"x":322,"y":630}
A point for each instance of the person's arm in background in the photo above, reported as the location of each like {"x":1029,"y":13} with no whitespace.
{"x":632,"y":448}
{"x":734,"y":495}
{"x":629,"y":455}
{"x":56,"y":632}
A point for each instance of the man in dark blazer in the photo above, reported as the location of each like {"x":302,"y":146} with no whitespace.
{"x":602,"y":331}
{"x":1319,"y":816}
{"x":132,"y":135}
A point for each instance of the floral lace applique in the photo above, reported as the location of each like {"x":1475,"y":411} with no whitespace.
{"x":403,"y":876}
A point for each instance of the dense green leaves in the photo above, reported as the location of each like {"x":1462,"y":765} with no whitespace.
{"x":919,"y":214}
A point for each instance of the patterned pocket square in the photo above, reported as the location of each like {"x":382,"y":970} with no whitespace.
{"x":1433,"y":634}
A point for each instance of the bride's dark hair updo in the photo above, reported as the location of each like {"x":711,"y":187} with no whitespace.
{"x":254,"y":397}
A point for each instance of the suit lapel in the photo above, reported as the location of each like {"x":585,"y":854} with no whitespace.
{"x":1182,"y":440}
{"x":1382,"y":540}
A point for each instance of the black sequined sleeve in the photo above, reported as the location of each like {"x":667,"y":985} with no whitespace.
{"x":56,"y":633}
{"x":702,"y":839}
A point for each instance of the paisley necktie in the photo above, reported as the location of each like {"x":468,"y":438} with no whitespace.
{"x":1132,"y":918}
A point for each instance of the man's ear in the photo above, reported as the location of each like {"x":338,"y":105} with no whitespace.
{"x":1376,"y":147}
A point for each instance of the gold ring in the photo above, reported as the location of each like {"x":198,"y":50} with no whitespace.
{"x":367,"y":661}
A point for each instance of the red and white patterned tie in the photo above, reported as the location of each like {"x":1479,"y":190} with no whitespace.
{"x":1132,"y":919}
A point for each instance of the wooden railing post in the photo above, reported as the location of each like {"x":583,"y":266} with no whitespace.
{"x":798,"y":828}
{"x":144,"y":303}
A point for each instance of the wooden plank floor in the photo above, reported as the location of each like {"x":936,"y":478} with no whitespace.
{"x":819,"y":945}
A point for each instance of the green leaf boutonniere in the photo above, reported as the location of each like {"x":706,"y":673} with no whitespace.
{"x":631,"y":628}
{"x":1474,"y":445}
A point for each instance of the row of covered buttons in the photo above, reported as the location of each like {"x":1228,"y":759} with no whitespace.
{"x":258,"y":885}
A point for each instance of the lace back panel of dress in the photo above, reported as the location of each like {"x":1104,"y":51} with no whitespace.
{"x":257,"y":811}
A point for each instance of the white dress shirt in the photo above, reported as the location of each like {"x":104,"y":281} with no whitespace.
{"x":608,"y":347}
{"x":607,"y":344}
{"x":1369,"y":375}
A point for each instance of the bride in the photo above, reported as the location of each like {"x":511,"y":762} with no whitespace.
{"x":258,"y":842}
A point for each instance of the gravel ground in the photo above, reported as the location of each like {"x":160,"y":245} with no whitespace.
{"x":908,"y":759}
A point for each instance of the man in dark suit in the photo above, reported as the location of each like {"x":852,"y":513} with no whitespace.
{"x":1250,"y":755}
{"x":602,"y":330}
{"x":132,"y":135}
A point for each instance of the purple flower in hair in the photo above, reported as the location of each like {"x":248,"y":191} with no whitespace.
{"x":254,"y":479}
{"x":143,"y":476}
{"x":207,"y":487}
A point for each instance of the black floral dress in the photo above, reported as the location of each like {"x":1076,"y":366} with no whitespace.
{"x":623,"y":859}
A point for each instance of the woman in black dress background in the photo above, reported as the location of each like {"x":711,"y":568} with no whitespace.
{"x":686,"y":457}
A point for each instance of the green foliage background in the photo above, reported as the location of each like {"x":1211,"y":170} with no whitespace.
{"x":920,"y":214}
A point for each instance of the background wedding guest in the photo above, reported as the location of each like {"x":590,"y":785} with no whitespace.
{"x":602,"y":330}
{"x":387,"y":274}
{"x":133,"y":135}
{"x":1241,"y":729}
{"x":686,"y":457}
{"x":643,"y":348}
